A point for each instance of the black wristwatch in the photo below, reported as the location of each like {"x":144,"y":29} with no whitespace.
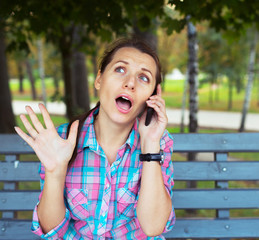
{"x":157,"y":157}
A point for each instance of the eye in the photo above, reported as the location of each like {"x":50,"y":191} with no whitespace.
{"x":144,"y":78}
{"x":120,"y":70}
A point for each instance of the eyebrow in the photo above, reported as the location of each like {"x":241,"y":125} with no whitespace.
{"x":143,"y":69}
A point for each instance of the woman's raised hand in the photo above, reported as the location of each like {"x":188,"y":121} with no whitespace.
{"x":53,"y":151}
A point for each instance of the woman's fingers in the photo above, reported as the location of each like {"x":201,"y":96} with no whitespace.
{"x":28,"y":126}
{"x":47,"y":120}
{"x":24,"y":136}
{"x":158,"y":104}
{"x":37,"y":124}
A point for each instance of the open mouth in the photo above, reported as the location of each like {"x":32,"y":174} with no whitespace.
{"x":124,"y":103}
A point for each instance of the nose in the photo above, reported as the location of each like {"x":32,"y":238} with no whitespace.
{"x":130,"y":82}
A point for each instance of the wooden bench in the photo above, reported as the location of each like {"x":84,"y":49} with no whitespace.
{"x":220,"y":198}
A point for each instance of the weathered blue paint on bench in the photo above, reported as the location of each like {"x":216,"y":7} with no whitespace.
{"x":219,"y":171}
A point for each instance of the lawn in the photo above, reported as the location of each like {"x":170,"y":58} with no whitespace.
{"x":174,"y":91}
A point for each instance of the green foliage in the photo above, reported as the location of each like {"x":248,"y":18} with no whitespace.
{"x":233,"y":16}
{"x":218,"y":56}
{"x":57,"y":19}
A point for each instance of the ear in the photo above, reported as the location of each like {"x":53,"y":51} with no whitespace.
{"x":97,"y":82}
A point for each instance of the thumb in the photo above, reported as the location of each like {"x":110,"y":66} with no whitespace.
{"x":73,"y":132}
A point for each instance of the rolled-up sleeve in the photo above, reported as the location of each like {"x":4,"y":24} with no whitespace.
{"x":166,"y":145}
{"x":57,"y":232}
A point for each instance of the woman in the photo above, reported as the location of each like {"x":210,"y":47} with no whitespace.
{"x":94,"y":185}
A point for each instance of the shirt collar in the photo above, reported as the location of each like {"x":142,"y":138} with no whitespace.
{"x":133,"y":138}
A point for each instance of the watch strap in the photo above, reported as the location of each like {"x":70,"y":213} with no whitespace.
{"x":148,"y":157}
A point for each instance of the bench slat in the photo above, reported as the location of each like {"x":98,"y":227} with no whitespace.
{"x":199,"y":228}
{"x":16,"y":229}
{"x":13,"y":144}
{"x":185,"y":171}
{"x":212,"y":171}
{"x":204,"y":199}
{"x":216,"y":199}
{"x":19,"y":171}
{"x":184,"y":228}
{"x":221,"y":142}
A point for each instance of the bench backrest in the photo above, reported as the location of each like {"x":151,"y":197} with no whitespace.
{"x":219,"y":198}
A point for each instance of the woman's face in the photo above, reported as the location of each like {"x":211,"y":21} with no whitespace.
{"x":125,"y":85}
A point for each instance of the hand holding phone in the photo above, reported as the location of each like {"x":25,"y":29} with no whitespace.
{"x":150,"y":112}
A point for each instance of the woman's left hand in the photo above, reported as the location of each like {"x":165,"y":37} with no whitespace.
{"x":154,"y":131}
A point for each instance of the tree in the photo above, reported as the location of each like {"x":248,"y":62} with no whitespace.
{"x":231,"y":16}
{"x":249,"y":86}
{"x":219,"y":56}
{"x":209,"y":57}
{"x":7,"y":120}
{"x":31,"y":79}
{"x":193,"y":76}
{"x":80,"y":75}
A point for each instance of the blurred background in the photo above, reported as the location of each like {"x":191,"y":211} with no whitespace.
{"x":49,"y":52}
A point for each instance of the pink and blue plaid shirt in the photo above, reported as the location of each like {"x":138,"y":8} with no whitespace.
{"x":100,"y":198}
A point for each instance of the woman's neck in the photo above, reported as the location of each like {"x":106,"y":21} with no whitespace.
{"x":110,"y":134}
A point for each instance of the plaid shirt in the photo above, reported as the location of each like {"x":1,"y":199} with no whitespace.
{"x":100,"y":198}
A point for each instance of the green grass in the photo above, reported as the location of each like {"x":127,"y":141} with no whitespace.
{"x":26,"y":95}
{"x":174,"y":91}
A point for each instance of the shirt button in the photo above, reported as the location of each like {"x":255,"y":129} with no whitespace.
{"x":107,"y":185}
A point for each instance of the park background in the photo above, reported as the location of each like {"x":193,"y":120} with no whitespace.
{"x":49,"y":52}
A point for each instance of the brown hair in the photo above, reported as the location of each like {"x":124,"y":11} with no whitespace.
{"x":106,"y":59}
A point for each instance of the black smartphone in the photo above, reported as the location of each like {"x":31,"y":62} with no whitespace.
{"x":150,"y":112}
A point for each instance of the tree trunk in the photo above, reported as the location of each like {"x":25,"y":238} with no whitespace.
{"x":69,"y":98}
{"x":42,"y":70}
{"x":148,"y":36}
{"x":257,"y":91}
{"x":230,"y":92}
{"x":7,"y":119}
{"x":184,"y":102}
{"x":193,"y":77}
{"x":217,"y":93}
{"x":211,"y":94}
{"x":80,"y":82}
{"x":79,"y":74}
{"x":32,"y":79}
{"x":193,"y":89}
{"x":20,"y":75}
{"x":249,"y":82}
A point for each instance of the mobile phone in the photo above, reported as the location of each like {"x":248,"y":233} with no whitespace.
{"x":150,"y":112}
